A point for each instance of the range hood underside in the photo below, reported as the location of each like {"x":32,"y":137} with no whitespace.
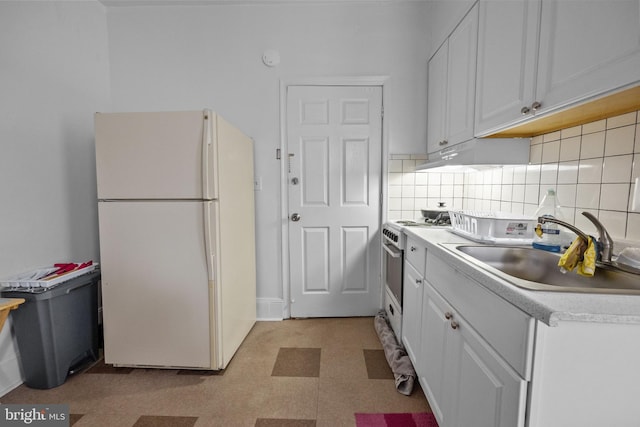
{"x":481,"y":152}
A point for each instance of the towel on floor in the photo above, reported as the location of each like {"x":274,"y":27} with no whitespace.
{"x":396,"y":355}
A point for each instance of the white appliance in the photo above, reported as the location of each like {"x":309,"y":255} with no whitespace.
{"x":394,"y":242}
{"x":177,"y":244}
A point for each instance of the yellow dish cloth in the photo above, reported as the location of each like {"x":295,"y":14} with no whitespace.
{"x":572,"y":257}
{"x":588,"y":265}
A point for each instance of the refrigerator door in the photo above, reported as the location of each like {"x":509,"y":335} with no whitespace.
{"x":159,"y":155}
{"x":156,"y":285}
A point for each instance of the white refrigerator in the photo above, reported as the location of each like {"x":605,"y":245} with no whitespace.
{"x":177,"y":238}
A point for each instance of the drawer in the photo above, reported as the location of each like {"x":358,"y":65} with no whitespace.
{"x":416,"y":254}
{"x":394,"y":314}
{"x":507,"y":329}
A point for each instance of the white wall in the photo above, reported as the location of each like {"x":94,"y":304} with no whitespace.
{"x":442,"y":18}
{"x":592,"y":167}
{"x":190,"y":57}
{"x":53,"y":76}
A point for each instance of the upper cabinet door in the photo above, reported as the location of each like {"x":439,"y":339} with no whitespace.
{"x":507,"y":52}
{"x":586,"y":48}
{"x":437,"y":99}
{"x":461,"y":87}
{"x":451,"y":89}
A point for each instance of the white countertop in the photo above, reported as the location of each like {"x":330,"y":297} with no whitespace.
{"x":548,"y":307}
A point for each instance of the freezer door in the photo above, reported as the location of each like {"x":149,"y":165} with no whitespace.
{"x":160,"y":155}
{"x":155,"y":283}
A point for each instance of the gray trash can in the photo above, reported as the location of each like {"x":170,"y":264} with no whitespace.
{"x":56,"y":329}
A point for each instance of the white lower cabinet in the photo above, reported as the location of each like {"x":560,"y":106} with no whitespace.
{"x":436,"y":349}
{"x":412,"y":310}
{"x":483,"y":362}
{"x":466,"y":380}
{"x":414,"y":265}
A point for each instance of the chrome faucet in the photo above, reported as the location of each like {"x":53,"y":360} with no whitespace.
{"x":605,"y":242}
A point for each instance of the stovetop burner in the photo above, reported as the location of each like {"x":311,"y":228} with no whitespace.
{"x":441,"y":221}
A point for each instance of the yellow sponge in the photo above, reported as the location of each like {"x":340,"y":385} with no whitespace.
{"x":588,"y":265}
{"x":572,"y":257}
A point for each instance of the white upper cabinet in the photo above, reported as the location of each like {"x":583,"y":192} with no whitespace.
{"x":586,"y":48}
{"x":451,"y":90}
{"x":507,"y":52}
{"x":540,"y":56}
{"x":437,"y":99}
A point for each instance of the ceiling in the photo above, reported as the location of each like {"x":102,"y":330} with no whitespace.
{"x":231,"y":2}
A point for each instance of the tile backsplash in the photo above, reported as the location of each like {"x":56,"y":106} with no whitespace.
{"x":592,"y":167}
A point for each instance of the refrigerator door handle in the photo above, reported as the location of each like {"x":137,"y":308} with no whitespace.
{"x":207,"y":145}
{"x":208,"y":244}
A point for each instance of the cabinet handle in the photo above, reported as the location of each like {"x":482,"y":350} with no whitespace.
{"x":525,"y":110}
{"x":536,"y":106}
{"x":418,"y":281}
{"x":443,"y":142}
{"x":448,"y":315}
{"x":413,"y":249}
{"x":454,"y":324}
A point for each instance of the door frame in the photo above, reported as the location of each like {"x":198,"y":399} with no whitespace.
{"x":381,"y":81}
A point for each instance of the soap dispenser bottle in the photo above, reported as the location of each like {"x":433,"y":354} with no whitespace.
{"x":547,"y":236}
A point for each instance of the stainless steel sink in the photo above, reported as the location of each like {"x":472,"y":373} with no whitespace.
{"x":538,"y":270}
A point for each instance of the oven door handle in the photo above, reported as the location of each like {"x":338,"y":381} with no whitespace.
{"x":392,"y":250}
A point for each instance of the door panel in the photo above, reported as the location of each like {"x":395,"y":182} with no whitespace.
{"x":433,"y":341}
{"x":437,"y":98}
{"x":334,"y":143}
{"x":315,"y":245}
{"x":355,"y":255}
{"x":315,"y":171}
{"x":355,"y":167}
{"x":155,"y":285}
{"x":586,"y":49}
{"x":153,"y":155}
{"x":461,"y":83}
{"x":490,"y":393}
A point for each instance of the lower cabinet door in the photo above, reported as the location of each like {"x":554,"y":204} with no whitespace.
{"x":433,"y":352}
{"x":466,"y":382}
{"x":489,"y":392}
{"x":412,"y":312}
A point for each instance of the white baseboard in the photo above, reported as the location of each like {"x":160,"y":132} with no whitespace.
{"x":270,"y":309}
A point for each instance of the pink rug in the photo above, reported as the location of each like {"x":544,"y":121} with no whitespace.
{"x":421,"y":419}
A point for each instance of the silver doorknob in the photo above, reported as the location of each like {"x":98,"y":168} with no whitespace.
{"x":295,"y":217}
{"x":536,"y":106}
{"x":525,"y":111}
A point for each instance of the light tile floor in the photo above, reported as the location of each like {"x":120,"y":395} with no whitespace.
{"x":294,"y":373}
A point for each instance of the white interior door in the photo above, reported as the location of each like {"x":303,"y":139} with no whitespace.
{"x":334,"y":136}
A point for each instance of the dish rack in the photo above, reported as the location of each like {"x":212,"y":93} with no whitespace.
{"x":493,"y":227}
{"x":44,"y":277}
